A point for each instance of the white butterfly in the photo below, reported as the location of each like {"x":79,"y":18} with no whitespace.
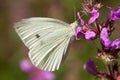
{"x":47,"y":40}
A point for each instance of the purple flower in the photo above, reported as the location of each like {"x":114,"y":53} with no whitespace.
{"x":104,"y":38}
{"x":89,"y":35}
{"x":78,"y":32}
{"x":116,"y":44}
{"x":45,"y":75}
{"x":90,"y":67}
{"x":34,"y":72}
{"x":81,"y":20}
{"x":95,"y":15}
{"x":115,"y":14}
{"x":106,"y":42}
{"x":26,"y":66}
{"x":41,"y":75}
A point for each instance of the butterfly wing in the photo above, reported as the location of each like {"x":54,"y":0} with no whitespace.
{"x":47,"y":40}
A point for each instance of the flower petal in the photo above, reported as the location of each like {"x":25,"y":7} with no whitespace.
{"x":118,"y":12}
{"x":104,"y":38}
{"x":115,"y":14}
{"x":26,"y":66}
{"x":90,"y":35}
{"x":95,"y":15}
{"x":81,"y":20}
{"x":116,"y":44}
{"x":78,"y":32}
{"x":118,"y":77}
{"x":90,"y":67}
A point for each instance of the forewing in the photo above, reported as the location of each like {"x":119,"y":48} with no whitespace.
{"x":47,"y":40}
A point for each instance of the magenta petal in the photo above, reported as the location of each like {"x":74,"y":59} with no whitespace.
{"x":95,"y":15}
{"x":78,"y":32}
{"x":116,"y":44}
{"x":81,"y":20}
{"x":104,"y":38}
{"x":42,"y":75}
{"x":118,"y":12}
{"x":46,"y":75}
{"x":115,"y":14}
{"x":90,"y":67}
{"x":26,"y":66}
{"x":90,"y":35}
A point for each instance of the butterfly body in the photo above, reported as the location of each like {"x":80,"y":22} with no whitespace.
{"x":47,"y":39}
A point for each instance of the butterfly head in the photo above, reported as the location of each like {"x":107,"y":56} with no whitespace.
{"x":74,"y":24}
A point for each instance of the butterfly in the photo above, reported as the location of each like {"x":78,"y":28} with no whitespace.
{"x":47,"y":40}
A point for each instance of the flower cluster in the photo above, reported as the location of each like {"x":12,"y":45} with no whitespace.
{"x":35,"y":73}
{"x":92,"y":30}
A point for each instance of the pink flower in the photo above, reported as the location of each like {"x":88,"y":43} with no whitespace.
{"x":115,"y":14}
{"x":86,"y":34}
{"x":104,"y":38}
{"x":78,"y":32}
{"x":89,"y":35}
{"x":90,"y":67}
{"x":106,"y":42}
{"x":26,"y":66}
{"x":95,"y":15}
{"x":81,"y":20}
{"x":35,"y":73}
{"x":118,"y":78}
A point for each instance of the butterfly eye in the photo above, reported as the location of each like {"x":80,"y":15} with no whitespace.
{"x":37,"y":35}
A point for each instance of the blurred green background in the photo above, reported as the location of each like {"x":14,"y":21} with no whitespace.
{"x":12,"y":50}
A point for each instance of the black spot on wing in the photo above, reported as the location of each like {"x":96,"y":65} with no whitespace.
{"x":37,"y":35}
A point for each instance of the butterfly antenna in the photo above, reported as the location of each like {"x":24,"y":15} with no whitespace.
{"x":75,"y":13}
